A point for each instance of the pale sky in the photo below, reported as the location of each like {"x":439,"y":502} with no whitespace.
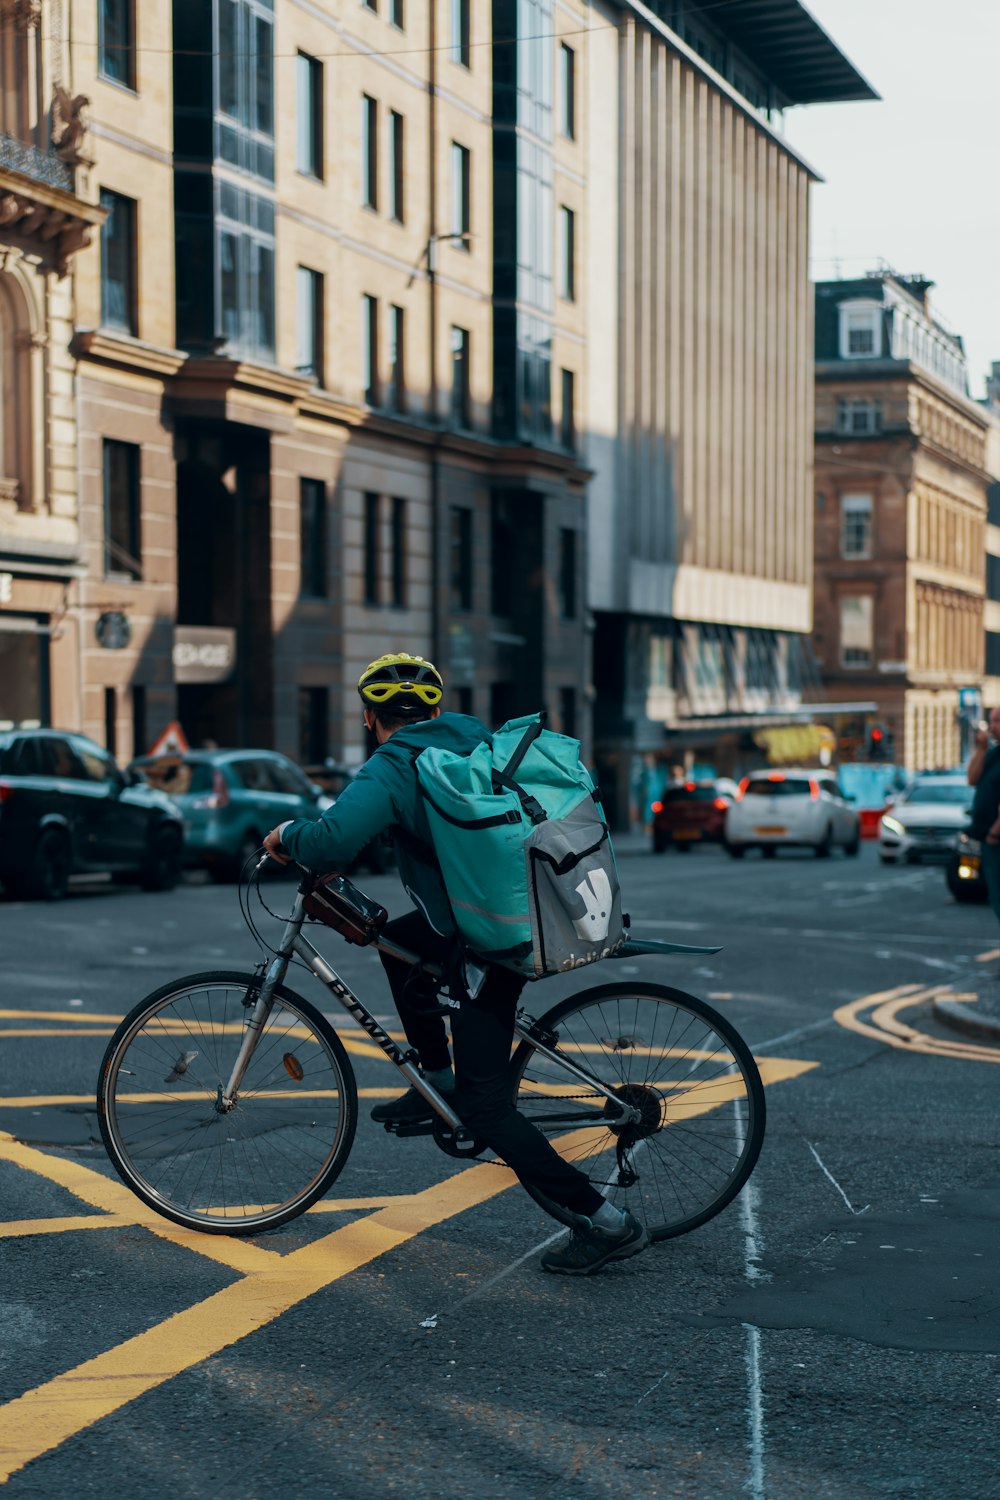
{"x":914,"y":180}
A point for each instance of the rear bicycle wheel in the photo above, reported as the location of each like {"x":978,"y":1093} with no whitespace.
{"x":236,"y":1171}
{"x":687,"y":1073}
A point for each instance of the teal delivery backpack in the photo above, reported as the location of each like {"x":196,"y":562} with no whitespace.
{"x":520,"y":836}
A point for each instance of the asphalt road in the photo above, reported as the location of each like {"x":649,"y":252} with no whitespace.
{"x":835,"y":1334}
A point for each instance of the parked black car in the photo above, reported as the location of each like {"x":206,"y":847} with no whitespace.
{"x":67,"y":809}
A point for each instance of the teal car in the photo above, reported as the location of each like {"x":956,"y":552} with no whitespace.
{"x":229,"y":799}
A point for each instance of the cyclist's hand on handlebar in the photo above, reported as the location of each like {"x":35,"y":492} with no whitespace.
{"x":274,"y":848}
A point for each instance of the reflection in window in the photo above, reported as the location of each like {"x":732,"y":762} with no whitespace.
{"x":116,"y":41}
{"x":118,"y":300}
{"x":567,"y":254}
{"x":397,"y":359}
{"x":397,"y":167}
{"x":567,"y":419}
{"x":122,"y":531}
{"x":398,"y":556}
{"x":309,"y":118}
{"x":567,"y":92}
{"x":567,"y":573}
{"x":372,"y":558}
{"x":309,"y":322}
{"x":461,"y":220}
{"x":460,"y":36}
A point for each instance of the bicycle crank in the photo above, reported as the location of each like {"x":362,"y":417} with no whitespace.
{"x":459,"y":1143}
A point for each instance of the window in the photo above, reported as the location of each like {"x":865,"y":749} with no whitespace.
{"x":312,"y":539}
{"x":397,"y":356}
{"x":860,"y":330}
{"x":398,"y":558}
{"x":503,"y":557}
{"x":460,"y":377}
{"x":567,"y":254}
{"x":110,"y":721}
{"x":567,"y":711}
{"x":859,"y":415}
{"x":369,"y":152}
{"x":309,"y":324}
{"x":567,"y":429}
{"x":371,"y":5}
{"x":118,"y":241}
{"x":461,"y":51}
{"x":396,"y":167}
{"x":122,"y":534}
{"x":244,"y":127}
{"x":567,"y":92}
{"x":855,"y":525}
{"x":461,"y":558}
{"x":369,"y":349}
{"x":567,"y":573}
{"x":314,"y":718}
{"x":309,"y":120}
{"x":856,"y":630}
{"x":116,"y":41}
{"x":460,"y":194}
{"x":372,"y":549}
{"x":139,"y":738}
{"x":244,"y":232}
{"x":397,"y":15}
{"x":463,"y":700}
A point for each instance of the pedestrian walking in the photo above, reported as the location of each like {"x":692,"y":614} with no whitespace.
{"x":984,"y":775}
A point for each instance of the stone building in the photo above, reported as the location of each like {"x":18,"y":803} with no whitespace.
{"x":900,"y":475}
{"x":329,"y":359}
{"x":47,"y":214}
{"x":991,"y":603}
{"x":699,"y":405}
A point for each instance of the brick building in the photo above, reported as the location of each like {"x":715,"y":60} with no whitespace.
{"x":900,"y":524}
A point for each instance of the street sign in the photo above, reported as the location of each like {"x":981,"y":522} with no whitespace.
{"x":172,"y":738}
{"x":969,"y":700}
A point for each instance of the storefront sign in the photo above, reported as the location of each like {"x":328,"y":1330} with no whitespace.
{"x":204,"y":653}
{"x":113,"y":630}
{"x":6,"y":587}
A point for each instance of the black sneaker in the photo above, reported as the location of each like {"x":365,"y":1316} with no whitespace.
{"x":408,"y":1109}
{"x":587,"y":1250}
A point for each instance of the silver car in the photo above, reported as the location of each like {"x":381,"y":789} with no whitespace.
{"x":924,"y":821}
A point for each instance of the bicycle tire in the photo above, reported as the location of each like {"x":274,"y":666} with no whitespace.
{"x":579,"y":1122}
{"x":161,"y":1138}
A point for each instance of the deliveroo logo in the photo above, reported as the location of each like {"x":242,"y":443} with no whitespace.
{"x":595,"y":893}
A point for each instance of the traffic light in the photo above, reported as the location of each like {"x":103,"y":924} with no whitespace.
{"x":879,"y":743}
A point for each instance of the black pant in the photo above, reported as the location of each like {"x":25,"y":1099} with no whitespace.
{"x":481,"y":1033}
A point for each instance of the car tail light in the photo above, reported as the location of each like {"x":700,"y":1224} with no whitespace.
{"x":657,"y":807}
{"x":720,"y":803}
{"x":814,"y":789}
{"x":775,"y":775}
{"x":6,"y":791}
{"x":741,"y":789}
{"x":689,"y":786}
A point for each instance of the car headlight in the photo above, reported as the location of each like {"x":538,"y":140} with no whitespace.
{"x":893,"y":825}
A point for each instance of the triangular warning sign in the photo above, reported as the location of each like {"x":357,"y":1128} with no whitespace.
{"x":172,"y":738}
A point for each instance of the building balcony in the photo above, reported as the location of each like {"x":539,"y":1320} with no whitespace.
{"x":39,"y":205}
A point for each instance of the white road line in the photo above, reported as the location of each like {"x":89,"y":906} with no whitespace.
{"x":753,"y":1272}
{"x":830,"y":1177}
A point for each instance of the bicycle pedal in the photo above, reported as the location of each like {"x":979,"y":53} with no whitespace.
{"x":411,"y":1127}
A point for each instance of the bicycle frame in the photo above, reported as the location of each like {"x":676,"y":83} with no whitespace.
{"x":294,"y":944}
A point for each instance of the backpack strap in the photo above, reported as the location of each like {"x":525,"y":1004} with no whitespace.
{"x":504,"y":780}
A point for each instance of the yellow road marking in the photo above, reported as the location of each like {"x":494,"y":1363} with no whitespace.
{"x":883,"y":1025}
{"x":47,"y":1416}
{"x":16,"y":1228}
{"x":984,"y":958}
{"x":39,"y":1101}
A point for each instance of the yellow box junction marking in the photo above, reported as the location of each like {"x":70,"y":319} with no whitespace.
{"x":269,"y":1282}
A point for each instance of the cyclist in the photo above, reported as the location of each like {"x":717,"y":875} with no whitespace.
{"x":401,"y":696}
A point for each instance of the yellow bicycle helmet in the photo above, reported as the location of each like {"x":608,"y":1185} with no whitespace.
{"x":402,"y":685}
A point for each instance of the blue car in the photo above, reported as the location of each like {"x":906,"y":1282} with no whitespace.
{"x":229,"y":800}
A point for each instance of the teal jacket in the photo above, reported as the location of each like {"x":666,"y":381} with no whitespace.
{"x":384,"y":796}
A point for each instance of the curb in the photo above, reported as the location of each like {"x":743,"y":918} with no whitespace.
{"x":963,"y":1018}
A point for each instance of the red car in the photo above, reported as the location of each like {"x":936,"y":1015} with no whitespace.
{"x":691,"y":812}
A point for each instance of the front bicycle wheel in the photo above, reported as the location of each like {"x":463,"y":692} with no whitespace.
{"x":686,"y":1075}
{"x":226,"y":1171}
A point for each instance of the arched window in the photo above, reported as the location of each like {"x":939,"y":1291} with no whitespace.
{"x":15,"y":387}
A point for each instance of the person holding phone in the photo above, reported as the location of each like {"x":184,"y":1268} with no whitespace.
{"x":984,"y":775}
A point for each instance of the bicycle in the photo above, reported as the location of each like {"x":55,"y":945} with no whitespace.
{"x":228,"y":1103}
